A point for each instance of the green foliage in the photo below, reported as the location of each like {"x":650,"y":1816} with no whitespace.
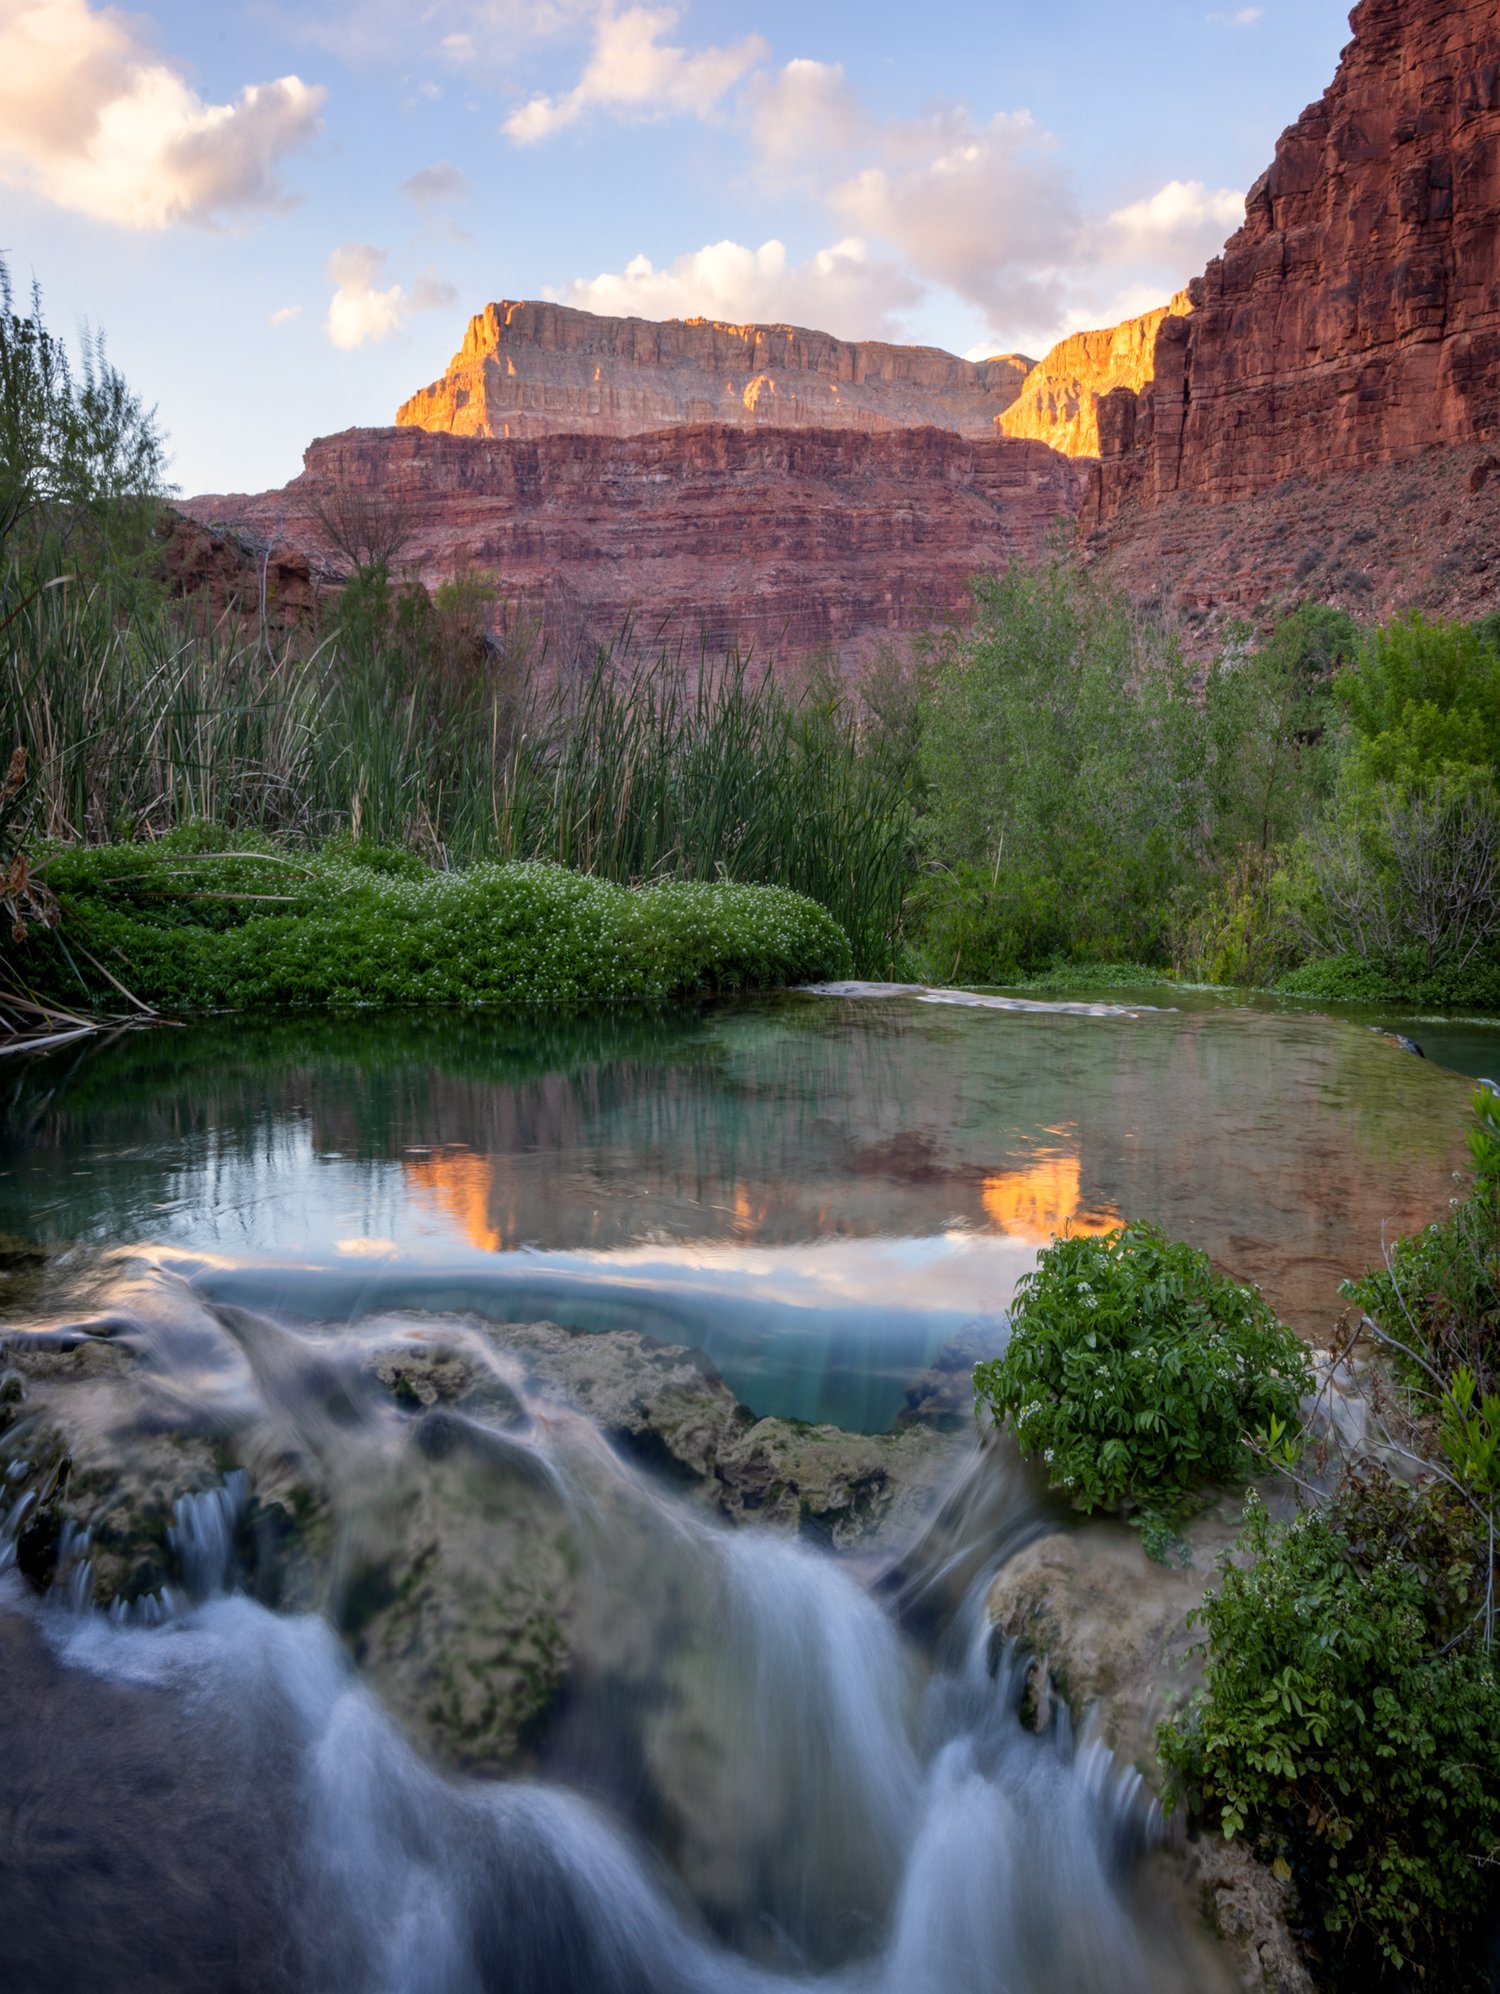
{"x":1402,"y":979}
{"x":191,"y":930}
{"x":81,"y":460}
{"x":1058,"y":758}
{"x":405,"y":726}
{"x":1135,"y":1371}
{"x":1336,"y":1726}
{"x":988,"y":924}
{"x":1423,"y":702}
{"x":1236,"y":932}
{"x":1439,"y":1292}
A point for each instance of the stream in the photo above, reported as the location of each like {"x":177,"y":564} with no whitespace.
{"x":493,"y":1503}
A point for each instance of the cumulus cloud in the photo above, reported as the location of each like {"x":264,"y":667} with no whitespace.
{"x":1182,"y":224}
{"x":363,"y":310}
{"x":982,"y":209}
{"x":805,"y":112}
{"x":437,"y":184}
{"x":94,"y":121}
{"x":1242,"y":17}
{"x":841,"y":289}
{"x":634,"y":73}
{"x":287,"y":315}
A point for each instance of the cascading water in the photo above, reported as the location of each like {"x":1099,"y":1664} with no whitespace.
{"x":760,"y":1781}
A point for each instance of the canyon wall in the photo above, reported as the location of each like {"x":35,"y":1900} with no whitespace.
{"x":777,"y":540}
{"x":531,"y":369}
{"x":1354,"y":320}
{"x":1059,"y":399}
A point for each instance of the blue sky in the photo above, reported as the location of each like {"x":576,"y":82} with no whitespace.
{"x":282,"y":212}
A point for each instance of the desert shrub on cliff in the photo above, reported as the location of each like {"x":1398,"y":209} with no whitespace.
{"x":191,"y":924}
{"x":1134,"y":1371}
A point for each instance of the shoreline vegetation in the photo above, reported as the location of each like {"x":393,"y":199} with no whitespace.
{"x":1053,"y":792}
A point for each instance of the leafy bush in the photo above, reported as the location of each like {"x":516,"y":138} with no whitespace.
{"x":187,"y":930}
{"x":1135,"y":1371}
{"x":1334,"y":1729}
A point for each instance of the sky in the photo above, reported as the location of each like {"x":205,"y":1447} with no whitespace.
{"x":282,"y":213}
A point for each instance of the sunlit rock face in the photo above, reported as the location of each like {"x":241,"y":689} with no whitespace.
{"x":1354,"y":320}
{"x":1059,"y":399}
{"x":530,"y":369}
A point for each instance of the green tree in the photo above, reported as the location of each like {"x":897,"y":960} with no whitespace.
{"x":81,"y":457}
{"x":1061,"y":764}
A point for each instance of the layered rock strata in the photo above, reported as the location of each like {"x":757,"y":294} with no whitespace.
{"x":778,"y":541}
{"x":529,"y":369}
{"x":1354,"y":320}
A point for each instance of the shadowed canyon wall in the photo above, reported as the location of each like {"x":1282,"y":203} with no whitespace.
{"x":778,"y":540}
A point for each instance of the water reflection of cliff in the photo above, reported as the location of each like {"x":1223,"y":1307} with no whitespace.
{"x":1282,"y":1144}
{"x":479,"y":1197}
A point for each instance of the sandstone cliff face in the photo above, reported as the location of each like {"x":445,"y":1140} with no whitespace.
{"x":527,"y":369}
{"x":1059,"y":399}
{"x":777,"y":540}
{"x":1355,"y":318}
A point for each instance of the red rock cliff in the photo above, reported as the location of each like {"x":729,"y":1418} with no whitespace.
{"x":783,"y":540}
{"x":528,"y":369}
{"x":1355,"y":318}
{"x":1059,"y":399}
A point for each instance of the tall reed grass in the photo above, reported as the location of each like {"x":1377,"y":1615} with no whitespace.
{"x":139,"y":717}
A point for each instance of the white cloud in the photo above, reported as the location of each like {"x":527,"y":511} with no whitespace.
{"x":437,"y":184}
{"x":94,"y":121}
{"x":842,"y":289}
{"x":632,"y":72}
{"x":360,"y":312}
{"x":1182,"y":224}
{"x":806,"y":111}
{"x":287,"y":315}
{"x":1243,"y":17}
{"x":983,"y":210}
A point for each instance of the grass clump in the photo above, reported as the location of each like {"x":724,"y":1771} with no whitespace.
{"x":192,"y":930}
{"x":1134,"y":1371}
{"x":1340,"y":1732}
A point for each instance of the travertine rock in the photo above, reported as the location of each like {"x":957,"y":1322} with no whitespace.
{"x":529,"y":369}
{"x":775,"y":540}
{"x":1355,"y":319}
{"x":1059,"y":399}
